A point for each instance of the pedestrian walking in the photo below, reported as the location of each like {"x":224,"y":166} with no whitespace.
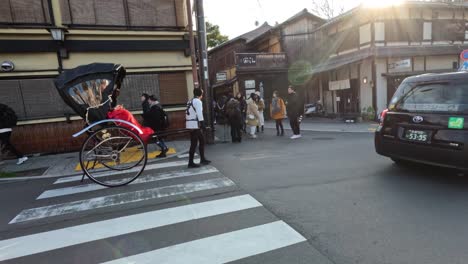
{"x":278,"y":112}
{"x":8,"y":120}
{"x":157,"y":119}
{"x":294,"y":110}
{"x":195,"y":123}
{"x":261,"y":107}
{"x":243,"y":107}
{"x":252,"y":115}
{"x":234,"y":116}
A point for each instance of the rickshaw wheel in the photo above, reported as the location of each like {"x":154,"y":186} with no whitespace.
{"x":113,"y":156}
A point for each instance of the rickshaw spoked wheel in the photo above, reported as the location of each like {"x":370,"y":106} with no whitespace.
{"x":113,"y":156}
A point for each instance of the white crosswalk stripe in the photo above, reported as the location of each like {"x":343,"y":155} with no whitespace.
{"x":223,"y":244}
{"x":212,"y":250}
{"x":142,"y":179}
{"x":112,"y":173}
{"x":119,"y":199}
{"x":185,"y":155}
{"x":32,"y":244}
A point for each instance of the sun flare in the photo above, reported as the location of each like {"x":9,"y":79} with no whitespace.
{"x":381,"y":3}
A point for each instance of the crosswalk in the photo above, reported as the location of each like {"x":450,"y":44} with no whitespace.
{"x":168,"y":215}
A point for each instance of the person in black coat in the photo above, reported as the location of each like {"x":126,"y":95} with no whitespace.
{"x":144,"y":103}
{"x":294,"y":109}
{"x":8,"y":120}
{"x":154,"y":118}
{"x":234,"y":116}
{"x":243,"y":108}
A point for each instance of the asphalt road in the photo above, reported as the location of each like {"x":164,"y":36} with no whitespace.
{"x":352,"y":205}
{"x":170,"y":214}
{"x":325,"y":198}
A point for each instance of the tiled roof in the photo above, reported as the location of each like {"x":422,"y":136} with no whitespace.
{"x":248,"y":37}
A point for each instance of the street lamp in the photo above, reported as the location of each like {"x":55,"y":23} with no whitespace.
{"x":58,"y":34}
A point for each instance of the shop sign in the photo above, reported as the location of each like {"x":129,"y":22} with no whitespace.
{"x":247,"y":59}
{"x":401,"y":64}
{"x":221,"y":76}
{"x":250,"y":84}
{"x":339,"y":85}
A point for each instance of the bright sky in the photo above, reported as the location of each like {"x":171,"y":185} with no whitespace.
{"x":237,"y":17}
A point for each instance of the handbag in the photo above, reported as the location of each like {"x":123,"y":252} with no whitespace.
{"x":250,"y":117}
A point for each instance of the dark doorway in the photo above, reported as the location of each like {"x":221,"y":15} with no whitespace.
{"x":349,"y":103}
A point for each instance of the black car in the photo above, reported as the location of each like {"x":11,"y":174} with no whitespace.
{"x":425,"y":121}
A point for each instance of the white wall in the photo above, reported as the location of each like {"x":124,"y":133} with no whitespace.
{"x":427,"y":31}
{"x":381,"y":84}
{"x":440,"y":62}
{"x":365,"y":34}
{"x":379,"y":28}
{"x":365,"y":89}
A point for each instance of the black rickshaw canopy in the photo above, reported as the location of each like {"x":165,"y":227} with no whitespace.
{"x":91,"y":89}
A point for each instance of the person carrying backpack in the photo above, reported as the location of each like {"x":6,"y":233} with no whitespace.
{"x":8,"y":120}
{"x":234,"y":116}
{"x":156,"y":118}
{"x":194,"y":121}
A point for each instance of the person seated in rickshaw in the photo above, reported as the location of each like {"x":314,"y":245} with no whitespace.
{"x":154,"y":118}
{"x":119,"y":112}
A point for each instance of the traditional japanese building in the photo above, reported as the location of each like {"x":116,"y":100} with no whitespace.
{"x":360,"y":57}
{"x":41,"y":38}
{"x":263,"y":59}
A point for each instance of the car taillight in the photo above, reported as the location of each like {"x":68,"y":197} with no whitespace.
{"x":382,"y":116}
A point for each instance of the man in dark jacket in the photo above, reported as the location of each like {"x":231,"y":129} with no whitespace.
{"x":7,"y":122}
{"x":144,"y":103}
{"x":295,"y":110}
{"x":154,"y":118}
{"x":234,"y":116}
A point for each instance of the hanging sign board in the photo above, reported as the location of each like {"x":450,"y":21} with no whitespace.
{"x":250,"y":84}
{"x":247,"y":59}
{"x":221,"y":76}
{"x":401,"y":64}
{"x":339,"y":85}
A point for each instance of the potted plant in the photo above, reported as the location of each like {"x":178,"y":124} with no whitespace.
{"x":368,"y":113}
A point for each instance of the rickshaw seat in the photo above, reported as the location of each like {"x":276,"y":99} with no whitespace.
{"x":125,"y":115}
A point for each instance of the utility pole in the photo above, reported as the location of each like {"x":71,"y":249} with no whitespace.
{"x":203,"y":62}
{"x":193,"y":54}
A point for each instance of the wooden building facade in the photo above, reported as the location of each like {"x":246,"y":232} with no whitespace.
{"x":360,"y":57}
{"x":150,"y":38}
{"x":251,"y":62}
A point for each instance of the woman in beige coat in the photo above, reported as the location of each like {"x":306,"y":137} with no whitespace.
{"x":253,"y":115}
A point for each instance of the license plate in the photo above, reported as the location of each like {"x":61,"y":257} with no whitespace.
{"x":417,"y":135}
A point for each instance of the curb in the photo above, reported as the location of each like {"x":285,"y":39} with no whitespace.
{"x":41,"y":177}
{"x":329,"y":130}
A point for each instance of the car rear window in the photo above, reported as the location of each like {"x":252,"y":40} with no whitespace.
{"x":433,"y":97}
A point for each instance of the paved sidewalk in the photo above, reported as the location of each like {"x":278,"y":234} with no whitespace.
{"x":329,"y":125}
{"x":223,"y":133}
{"x":65,"y":164}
